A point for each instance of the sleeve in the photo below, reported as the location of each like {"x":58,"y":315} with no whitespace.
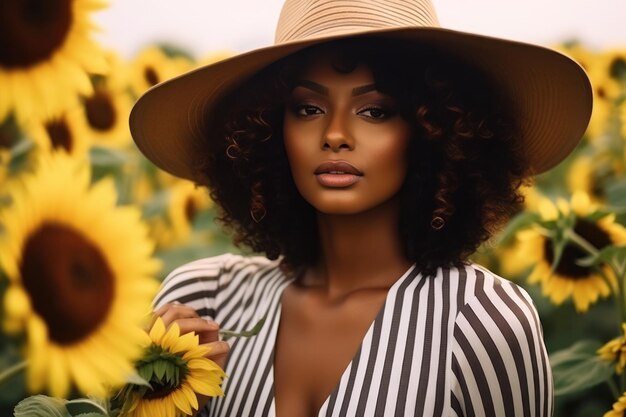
{"x":198,"y":283}
{"x":499,"y":361}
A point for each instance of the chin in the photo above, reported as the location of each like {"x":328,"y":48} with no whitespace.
{"x":348,"y":206}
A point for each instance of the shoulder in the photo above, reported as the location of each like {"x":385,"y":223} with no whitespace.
{"x":478,"y":286}
{"x":499,"y":359}
{"x":203,"y":278}
{"x":496,"y":311}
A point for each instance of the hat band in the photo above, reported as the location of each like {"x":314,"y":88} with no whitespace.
{"x":306,"y":19}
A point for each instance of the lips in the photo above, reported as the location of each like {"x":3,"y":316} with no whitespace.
{"x":337,"y":174}
{"x":337,"y":168}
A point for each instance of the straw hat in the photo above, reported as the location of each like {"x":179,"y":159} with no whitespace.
{"x":551,"y":93}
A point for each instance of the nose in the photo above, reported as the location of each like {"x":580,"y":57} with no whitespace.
{"x":337,"y":135}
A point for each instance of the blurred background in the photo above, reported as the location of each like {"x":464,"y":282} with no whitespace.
{"x":67,"y":89}
{"x":204,"y":26}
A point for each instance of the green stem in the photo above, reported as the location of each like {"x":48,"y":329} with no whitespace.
{"x":613,"y":387}
{"x":582,"y":242}
{"x":12,"y":371}
{"x":620,"y":274}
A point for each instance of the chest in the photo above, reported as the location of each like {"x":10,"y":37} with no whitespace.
{"x":315,"y":343}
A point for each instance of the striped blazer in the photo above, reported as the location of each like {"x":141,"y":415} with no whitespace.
{"x":462,"y":343}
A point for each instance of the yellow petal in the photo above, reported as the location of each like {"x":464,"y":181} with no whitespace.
{"x":181,"y":402}
{"x":190,"y":395}
{"x":16,"y":302}
{"x":547,"y":210}
{"x":58,"y":376}
{"x":581,"y":203}
{"x":157,"y":331}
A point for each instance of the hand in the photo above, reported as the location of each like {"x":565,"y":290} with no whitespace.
{"x":208,"y":333}
{"x":189,"y":321}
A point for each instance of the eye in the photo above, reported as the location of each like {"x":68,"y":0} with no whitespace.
{"x":377,"y":113}
{"x":306,"y":110}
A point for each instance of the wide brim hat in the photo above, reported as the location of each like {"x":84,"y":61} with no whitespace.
{"x":550,"y":93}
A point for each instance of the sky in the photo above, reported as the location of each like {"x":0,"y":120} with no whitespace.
{"x":206,"y":26}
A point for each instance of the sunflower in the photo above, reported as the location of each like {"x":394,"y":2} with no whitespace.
{"x":602,"y":110}
{"x":569,"y":279}
{"x":512,"y":260}
{"x":64,"y":132}
{"x":608,"y":78}
{"x":45,"y":56}
{"x":611,"y":67}
{"x":186,"y":202}
{"x":603,"y":85}
{"x":586,"y":175}
{"x":152,"y":66}
{"x":117,"y":76}
{"x":615,"y":351}
{"x":618,"y":407}
{"x":105,"y":116}
{"x":185,"y":372}
{"x":80,"y":277}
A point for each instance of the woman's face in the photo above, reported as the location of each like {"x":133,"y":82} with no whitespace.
{"x":345,"y":141}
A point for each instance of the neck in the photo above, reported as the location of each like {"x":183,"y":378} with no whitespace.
{"x":360,"y":251}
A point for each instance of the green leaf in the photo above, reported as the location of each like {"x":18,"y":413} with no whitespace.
{"x":246,"y":333}
{"x":579,"y":367}
{"x":83,"y":405}
{"x":522,"y":220}
{"x":616,"y":193}
{"x":105,"y":157}
{"x":157,"y":205}
{"x":159,"y":369}
{"x":41,"y":406}
{"x":146,"y":371}
{"x":170,"y":371}
{"x":19,"y":155}
{"x":176,"y":377}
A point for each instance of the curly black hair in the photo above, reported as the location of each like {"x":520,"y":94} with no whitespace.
{"x":465,"y":160}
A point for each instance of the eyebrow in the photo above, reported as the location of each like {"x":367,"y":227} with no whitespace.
{"x":318,"y":88}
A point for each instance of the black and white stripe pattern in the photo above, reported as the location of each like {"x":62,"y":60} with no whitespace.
{"x":463,"y":343}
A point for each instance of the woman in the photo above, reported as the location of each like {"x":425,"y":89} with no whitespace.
{"x":366,"y":167}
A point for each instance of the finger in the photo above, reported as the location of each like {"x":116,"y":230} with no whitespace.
{"x":176,"y":312}
{"x":207,"y":330}
{"x":218,"y":352}
{"x":161,"y":310}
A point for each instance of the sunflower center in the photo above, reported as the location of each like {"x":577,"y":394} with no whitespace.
{"x":100,"y":111}
{"x":6,"y":141}
{"x":617,"y":69}
{"x":60,"y":134}
{"x":190,"y":210}
{"x":567,"y":266}
{"x":31,"y":31}
{"x":151,"y":76}
{"x":68,"y":280}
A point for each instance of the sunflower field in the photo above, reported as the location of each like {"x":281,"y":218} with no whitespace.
{"x":88,"y":228}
